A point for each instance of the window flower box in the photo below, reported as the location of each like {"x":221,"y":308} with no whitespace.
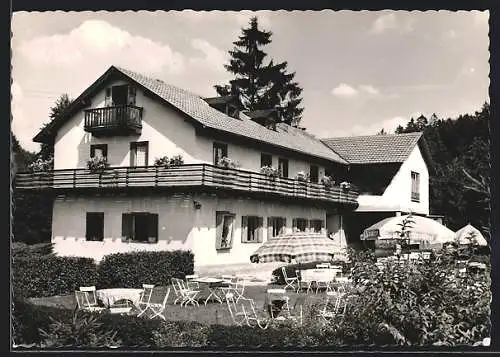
{"x":227,"y":163}
{"x":328,"y":182}
{"x":167,"y":162}
{"x":302,"y":177}
{"x":270,"y":172}
{"x":345,"y":186}
{"x":97,"y":164}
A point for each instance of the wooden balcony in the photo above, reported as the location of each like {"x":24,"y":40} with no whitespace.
{"x":110,"y":121}
{"x":185,"y":178}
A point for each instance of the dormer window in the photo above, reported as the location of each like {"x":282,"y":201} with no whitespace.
{"x":120,"y":95}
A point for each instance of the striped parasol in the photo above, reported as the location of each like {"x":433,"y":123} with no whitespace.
{"x":303,"y":247}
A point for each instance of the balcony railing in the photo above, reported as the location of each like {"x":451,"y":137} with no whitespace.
{"x":205,"y":177}
{"x":415,"y":197}
{"x":117,"y":120}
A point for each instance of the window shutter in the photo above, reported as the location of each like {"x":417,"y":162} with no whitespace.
{"x":131,"y":95}
{"x":153,"y":226}
{"x":260,"y":230}
{"x":107,"y":98}
{"x":219,"y":221}
{"x":244,"y":228}
{"x":127,"y":225}
{"x":269,"y":228}
{"x":231,"y":231}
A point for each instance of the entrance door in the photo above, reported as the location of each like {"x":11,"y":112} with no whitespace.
{"x":120,"y":95}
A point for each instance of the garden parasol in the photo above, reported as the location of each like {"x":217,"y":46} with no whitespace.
{"x":421,"y":229}
{"x":468,"y":235}
{"x":302,"y":247}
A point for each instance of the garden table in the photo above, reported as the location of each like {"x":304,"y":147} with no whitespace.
{"x":110,"y":296}
{"x":214,"y":286}
{"x":318,"y":276}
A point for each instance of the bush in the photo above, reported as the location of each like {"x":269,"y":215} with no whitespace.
{"x":291,"y":269}
{"x":139,"y":268}
{"x":20,"y":249}
{"x":41,"y":276}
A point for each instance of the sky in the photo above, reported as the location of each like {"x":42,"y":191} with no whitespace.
{"x":360,"y":71}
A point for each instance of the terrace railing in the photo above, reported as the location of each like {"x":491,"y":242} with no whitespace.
{"x":184,"y":176}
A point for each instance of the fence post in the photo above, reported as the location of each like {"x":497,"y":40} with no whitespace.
{"x":74,"y":178}
{"x":202,"y":174}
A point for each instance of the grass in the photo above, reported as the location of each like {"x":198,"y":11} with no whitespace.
{"x":212,"y":313}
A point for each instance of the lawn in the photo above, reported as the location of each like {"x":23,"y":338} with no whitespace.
{"x":212,"y":313}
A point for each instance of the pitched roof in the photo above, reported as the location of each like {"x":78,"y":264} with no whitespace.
{"x":374,"y":149}
{"x":198,"y":109}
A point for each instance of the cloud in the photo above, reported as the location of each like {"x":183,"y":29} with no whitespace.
{"x":99,"y":41}
{"x":389,"y":21}
{"x":369,"y":89}
{"x":214,"y":58}
{"x":389,"y":125}
{"x":344,"y":91}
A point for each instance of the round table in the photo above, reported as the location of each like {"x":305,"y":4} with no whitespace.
{"x":110,"y":296}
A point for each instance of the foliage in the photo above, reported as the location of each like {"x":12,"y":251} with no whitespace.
{"x":62,"y":103}
{"x":167,"y":162}
{"x":269,"y":171}
{"x":409,"y":304}
{"x":40,"y":165}
{"x":49,"y":275}
{"x":328,"y":181}
{"x":227,"y":163}
{"x":23,"y":250}
{"x":302,"y":176}
{"x":139,"y":268}
{"x":97,"y":164}
{"x":83,"y":330}
{"x":257,"y":84}
{"x":345,"y":185}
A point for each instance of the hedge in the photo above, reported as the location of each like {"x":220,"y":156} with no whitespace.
{"x":42,"y":276}
{"x":131,"y":270}
{"x":50,"y":275}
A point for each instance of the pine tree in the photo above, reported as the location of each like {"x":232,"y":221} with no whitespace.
{"x":260,"y":84}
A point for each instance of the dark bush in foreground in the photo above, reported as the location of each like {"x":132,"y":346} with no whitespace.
{"x":41,"y":276}
{"x":139,"y":268}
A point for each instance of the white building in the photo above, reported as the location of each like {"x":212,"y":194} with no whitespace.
{"x":221,"y":214}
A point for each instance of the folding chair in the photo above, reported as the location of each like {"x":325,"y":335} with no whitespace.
{"x":91,"y":294}
{"x":158,"y":308}
{"x":244,"y":316}
{"x":289,"y":281}
{"x":83,"y":303}
{"x":187,"y":295}
{"x":236,"y":286}
{"x":143,"y":304}
{"x":277,"y":295}
{"x":301,"y":283}
{"x":192,"y":284}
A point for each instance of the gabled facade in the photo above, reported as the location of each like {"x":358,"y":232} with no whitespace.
{"x":391,"y":173}
{"x":221,"y":214}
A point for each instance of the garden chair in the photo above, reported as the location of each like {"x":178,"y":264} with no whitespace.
{"x":158,"y":308}
{"x":289,"y":281}
{"x":91,"y":294}
{"x":302,"y":284}
{"x":281,"y":302}
{"x":143,"y":304}
{"x":186,"y":294}
{"x":192,"y":284}
{"x":242,"y":315}
{"x":236,"y":286}
{"x":83,"y":303}
{"x":332,"y":304}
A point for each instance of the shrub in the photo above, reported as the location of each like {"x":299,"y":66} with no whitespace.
{"x":97,"y":164}
{"x":41,"y":276}
{"x":181,"y":334}
{"x":139,"y":268}
{"x":24,"y":250}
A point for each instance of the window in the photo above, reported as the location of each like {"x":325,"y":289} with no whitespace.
{"x":415,"y":186}
{"x":275,"y":226}
{"x":94,"y":230}
{"x":120,"y":95}
{"x":316,"y":225}
{"x":99,"y":150}
{"x":251,"y":229}
{"x":219,"y":151}
{"x":283,"y":167}
{"x":300,"y":224}
{"x":266,"y":160}
{"x":139,"y":153}
{"x":224,"y":223}
{"x":314,"y":174}
{"x":140,"y":227}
